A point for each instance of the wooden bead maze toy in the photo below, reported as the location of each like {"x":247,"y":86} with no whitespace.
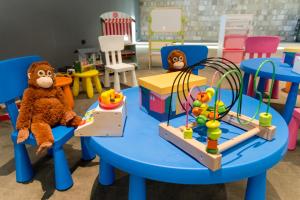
{"x":208,"y":110}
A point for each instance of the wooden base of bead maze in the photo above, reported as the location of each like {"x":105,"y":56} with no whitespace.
{"x":197,"y":149}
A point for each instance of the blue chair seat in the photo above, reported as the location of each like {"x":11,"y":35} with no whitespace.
{"x":61,"y":135}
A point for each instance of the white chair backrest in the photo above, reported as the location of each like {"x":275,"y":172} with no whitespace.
{"x":112,"y":44}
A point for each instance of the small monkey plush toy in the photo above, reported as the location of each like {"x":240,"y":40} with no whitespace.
{"x":176,"y":61}
{"x":43,"y":106}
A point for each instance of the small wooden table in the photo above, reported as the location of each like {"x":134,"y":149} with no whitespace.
{"x":64,"y":83}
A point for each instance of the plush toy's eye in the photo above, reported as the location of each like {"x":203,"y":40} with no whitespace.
{"x":41,"y":73}
{"x":175,"y":59}
{"x":180,"y":58}
{"x":49,"y":73}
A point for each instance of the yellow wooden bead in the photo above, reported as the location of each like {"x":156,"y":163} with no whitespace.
{"x":213,"y":124}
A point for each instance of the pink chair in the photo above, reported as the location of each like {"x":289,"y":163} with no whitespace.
{"x":262,"y":45}
{"x":293,"y":129}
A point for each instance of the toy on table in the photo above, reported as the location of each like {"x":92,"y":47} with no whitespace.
{"x":43,"y":106}
{"x":107,"y":119}
{"x":155,"y":94}
{"x":207,"y":110}
{"x":291,"y":56}
{"x":110,"y":99}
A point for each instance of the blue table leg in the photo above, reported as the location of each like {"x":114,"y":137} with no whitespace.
{"x":261,"y":85}
{"x":137,"y":188}
{"x":256,"y":187}
{"x":63,"y":178}
{"x":290,"y":102}
{"x":106,"y":173}
{"x":86,"y":153}
{"x":245,"y":82}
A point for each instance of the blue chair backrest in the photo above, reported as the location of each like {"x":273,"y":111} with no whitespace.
{"x":13,"y":82}
{"x":193,"y":53}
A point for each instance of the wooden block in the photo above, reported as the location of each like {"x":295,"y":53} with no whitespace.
{"x":264,"y":132}
{"x":192,"y":147}
{"x":212,"y":144}
{"x":104,"y":122}
{"x":162,"y":83}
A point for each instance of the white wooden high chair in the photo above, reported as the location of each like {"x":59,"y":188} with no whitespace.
{"x":112,"y":45}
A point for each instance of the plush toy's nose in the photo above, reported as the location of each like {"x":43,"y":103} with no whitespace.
{"x":45,"y":82}
{"x":178,"y":64}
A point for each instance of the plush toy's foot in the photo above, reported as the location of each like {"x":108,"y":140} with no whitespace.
{"x":43,"y":147}
{"x":22,"y":135}
{"x":76,"y":121}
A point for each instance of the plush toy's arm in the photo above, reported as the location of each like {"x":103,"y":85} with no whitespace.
{"x":25,"y":112}
{"x":69,"y":114}
{"x":61,"y":96}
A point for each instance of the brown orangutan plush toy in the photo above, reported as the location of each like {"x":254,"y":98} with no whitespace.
{"x":43,"y":106}
{"x":176,"y":61}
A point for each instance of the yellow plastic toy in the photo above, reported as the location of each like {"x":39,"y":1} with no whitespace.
{"x":110,"y":99}
{"x":87,"y":82}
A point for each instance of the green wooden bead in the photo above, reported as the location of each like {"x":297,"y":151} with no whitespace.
{"x":201,"y":120}
{"x":214,"y":133}
{"x":188,"y":133}
{"x":197,"y":103}
{"x":265,"y":119}
{"x":212,"y":151}
{"x":221,"y":109}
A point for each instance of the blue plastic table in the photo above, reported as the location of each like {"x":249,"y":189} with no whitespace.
{"x":143,"y":154}
{"x":283,"y":73}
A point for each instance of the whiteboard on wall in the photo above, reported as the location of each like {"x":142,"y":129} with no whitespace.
{"x":166,"y":20}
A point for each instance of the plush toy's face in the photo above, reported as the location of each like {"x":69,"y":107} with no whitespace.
{"x":176,"y":60}
{"x":41,"y":74}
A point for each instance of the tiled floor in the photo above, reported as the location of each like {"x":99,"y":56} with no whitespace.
{"x":283,"y":180}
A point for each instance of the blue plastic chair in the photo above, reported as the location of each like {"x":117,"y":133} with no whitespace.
{"x":13,"y":81}
{"x":193,"y":53}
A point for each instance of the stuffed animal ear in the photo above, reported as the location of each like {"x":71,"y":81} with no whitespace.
{"x":28,"y":75}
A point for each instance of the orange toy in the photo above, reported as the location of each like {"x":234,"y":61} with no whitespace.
{"x":110,"y":99}
{"x":203,"y":97}
{"x":43,"y":106}
{"x":212,"y":144}
{"x":196,"y":111}
{"x":211,"y":115}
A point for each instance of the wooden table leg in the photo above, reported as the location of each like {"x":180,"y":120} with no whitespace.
{"x":106,"y":173}
{"x":290,"y":102}
{"x":89,"y":87}
{"x":76,"y":86}
{"x":69,"y":95}
{"x":256,"y":187}
{"x":137,"y":188}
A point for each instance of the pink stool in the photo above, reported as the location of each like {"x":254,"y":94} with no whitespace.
{"x":293,"y":129}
